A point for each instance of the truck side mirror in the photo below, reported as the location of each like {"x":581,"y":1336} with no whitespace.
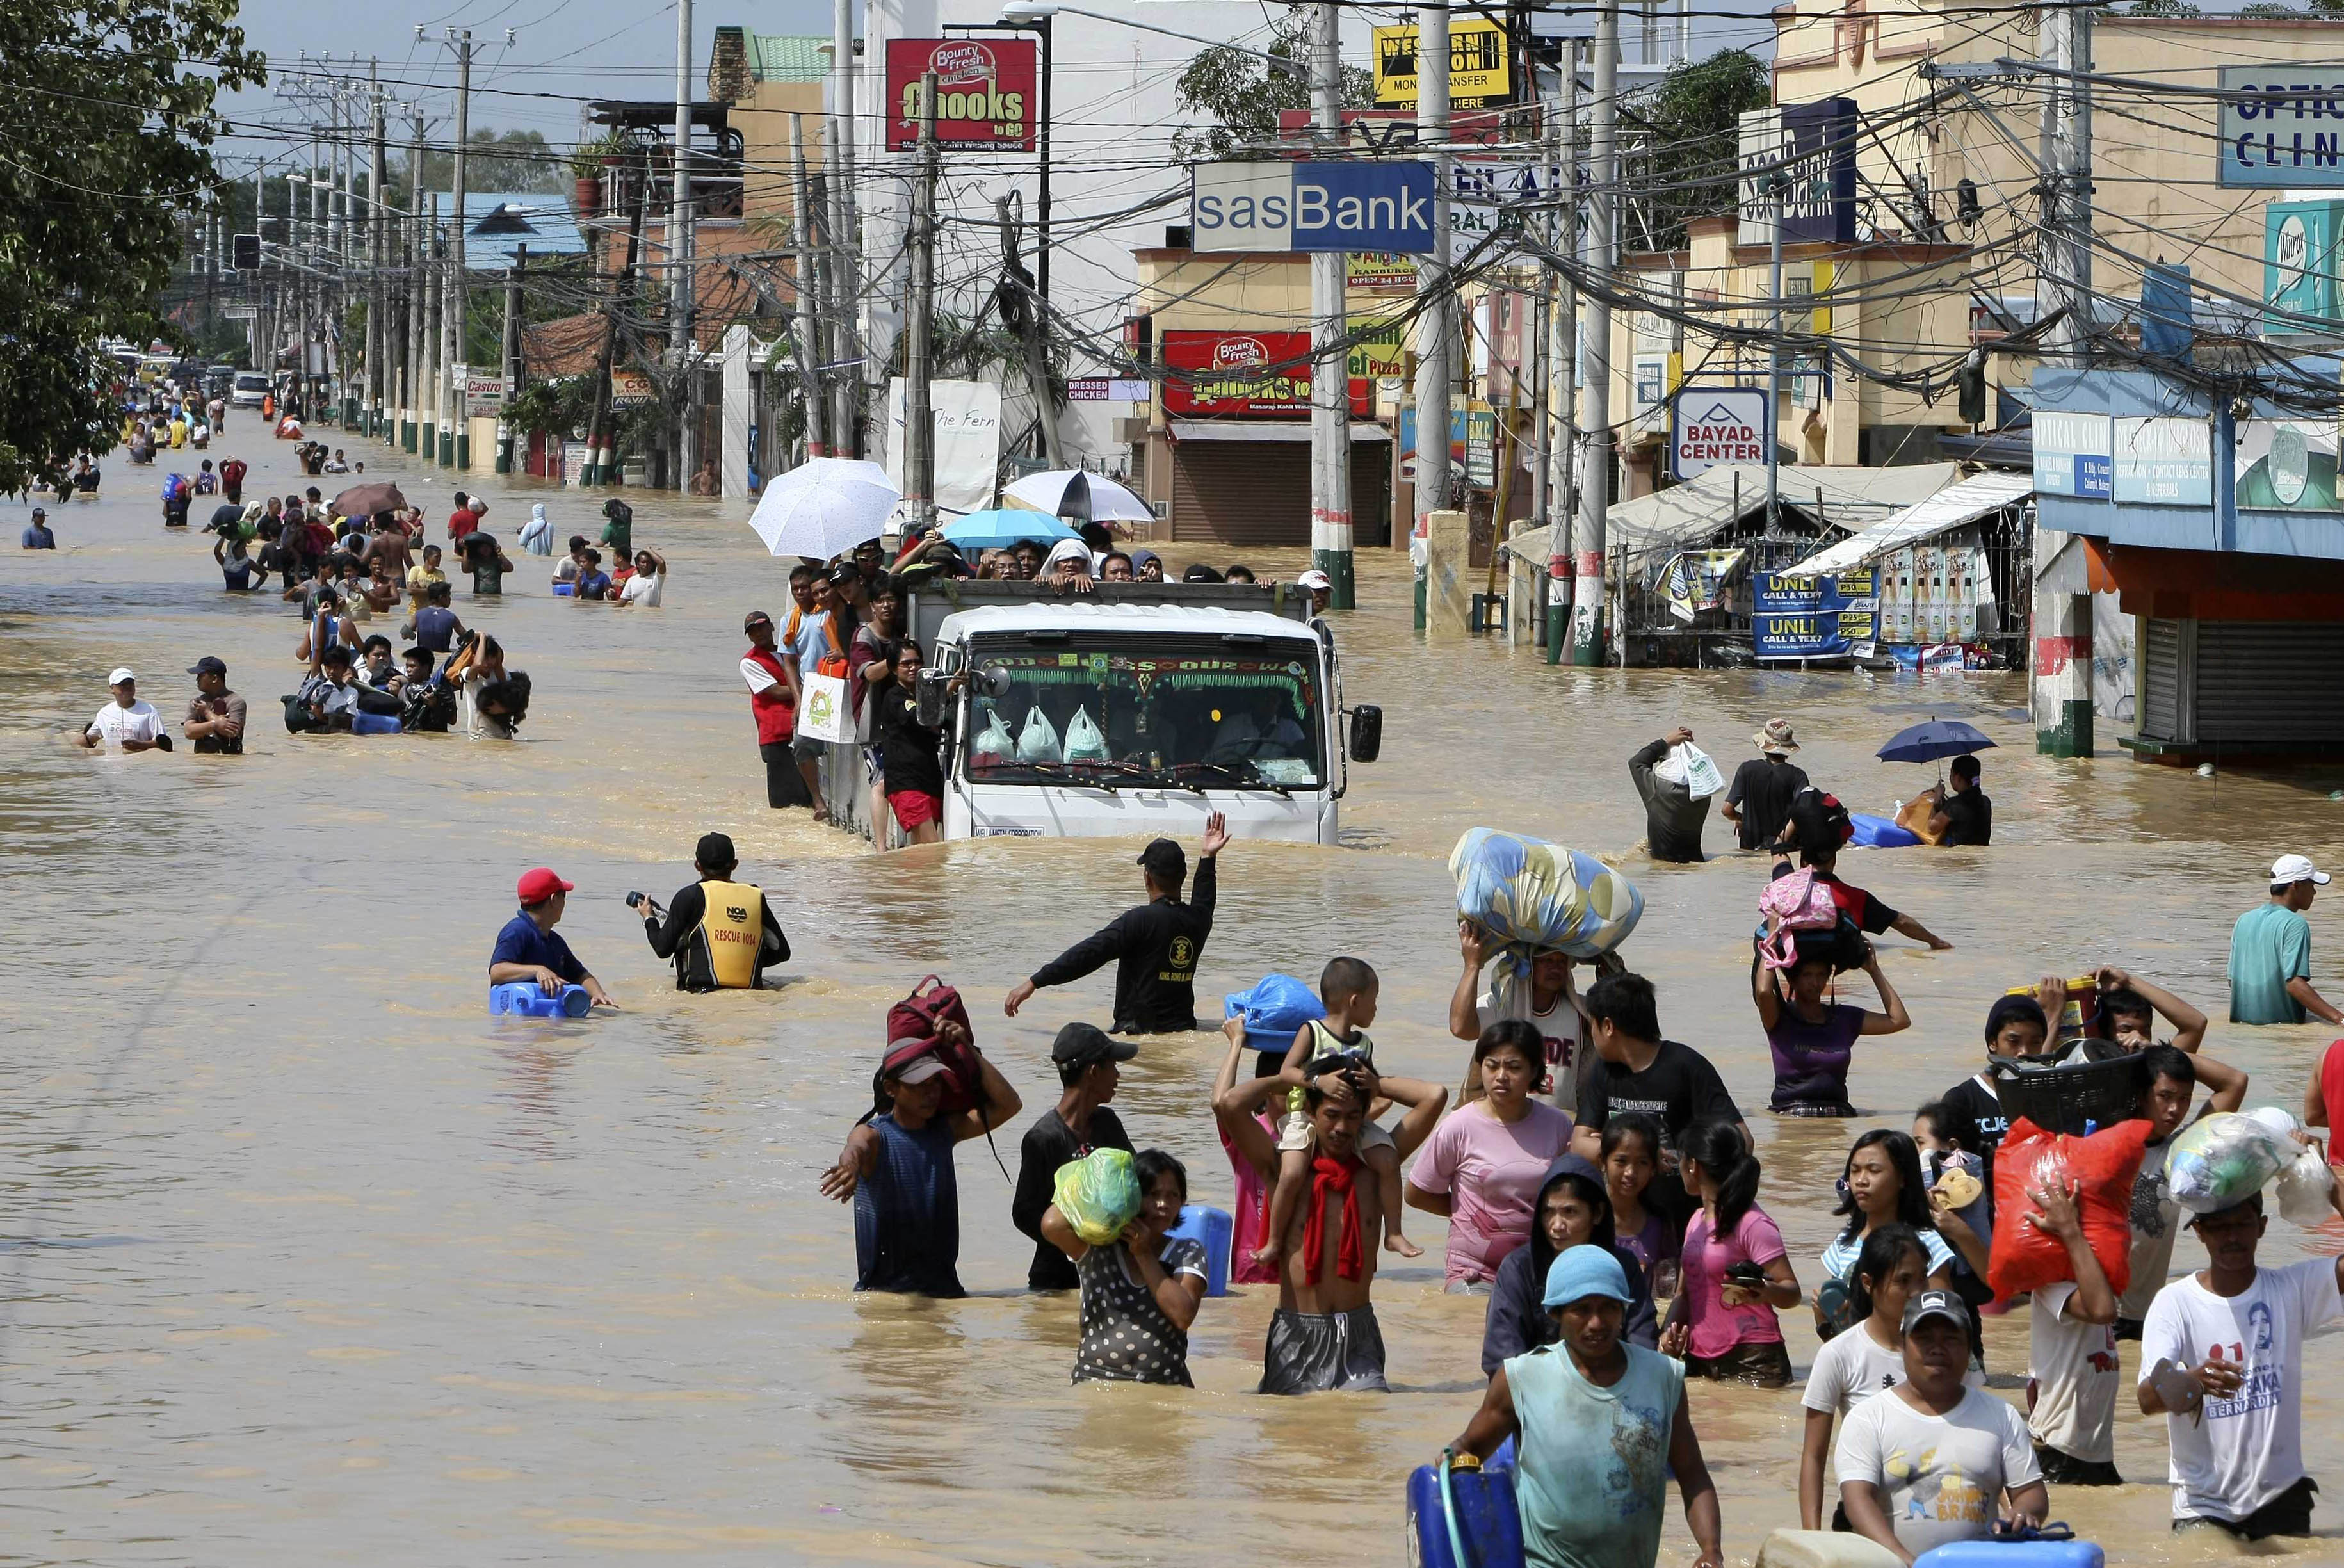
{"x":928,"y":693}
{"x":989,"y":681}
{"x":1367,"y":733}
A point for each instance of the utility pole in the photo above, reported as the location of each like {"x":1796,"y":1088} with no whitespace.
{"x":679,"y":254}
{"x":919,"y":410}
{"x":457,"y":307}
{"x":602,"y":437}
{"x":1023,"y":311}
{"x":808,"y":336}
{"x":1435,"y":305}
{"x":847,"y":275}
{"x":1563,"y":367}
{"x":435,"y":312}
{"x":510,"y":368}
{"x":378,"y":257}
{"x":1595,"y":347}
{"x":1330,"y":380}
{"x":418,"y":253}
{"x":2066,"y":250}
{"x":1779,"y":182}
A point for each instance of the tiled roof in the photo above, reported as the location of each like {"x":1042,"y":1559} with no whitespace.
{"x":789,"y":57}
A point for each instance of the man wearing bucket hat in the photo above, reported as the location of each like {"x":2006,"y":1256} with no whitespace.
{"x":2270,"y":951}
{"x":1758,"y":800}
{"x":530,"y":951}
{"x":1592,"y":1405}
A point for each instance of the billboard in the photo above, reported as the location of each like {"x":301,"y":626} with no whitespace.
{"x":1490,"y":196}
{"x":1379,"y":344}
{"x":2287,"y":465}
{"x":2163,"y":462}
{"x":2280,"y":126}
{"x":1244,"y":375}
{"x":1313,"y":207}
{"x":1480,"y":68}
{"x":1796,"y":617}
{"x":1814,"y":147}
{"x":987,"y":99}
{"x":1718,"y":425}
{"x":2073,"y":454}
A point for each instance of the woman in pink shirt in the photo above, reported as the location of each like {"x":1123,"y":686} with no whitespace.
{"x":1481,"y":1167}
{"x":1735,"y":1273}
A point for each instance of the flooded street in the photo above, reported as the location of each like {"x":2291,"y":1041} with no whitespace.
{"x":308,"y":1261}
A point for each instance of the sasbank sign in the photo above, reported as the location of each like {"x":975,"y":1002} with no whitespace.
{"x":1718,"y":425}
{"x":1381,"y":207}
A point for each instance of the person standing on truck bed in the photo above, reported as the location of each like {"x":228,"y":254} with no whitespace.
{"x":1155,"y":946}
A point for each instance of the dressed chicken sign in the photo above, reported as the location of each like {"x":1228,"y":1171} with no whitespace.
{"x":985,"y":97}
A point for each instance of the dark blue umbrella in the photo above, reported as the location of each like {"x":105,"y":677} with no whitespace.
{"x":1936,"y":739}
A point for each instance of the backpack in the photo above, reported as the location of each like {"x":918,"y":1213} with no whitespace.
{"x":913,"y":1030}
{"x":1799,"y":902}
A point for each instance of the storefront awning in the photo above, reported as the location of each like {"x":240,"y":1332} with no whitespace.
{"x":1263,"y":431}
{"x":1688,"y":516}
{"x":1964,"y":502}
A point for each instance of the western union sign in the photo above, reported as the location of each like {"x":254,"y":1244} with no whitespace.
{"x":1481,"y":70}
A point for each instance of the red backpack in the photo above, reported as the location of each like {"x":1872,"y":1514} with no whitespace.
{"x":915,"y":1027}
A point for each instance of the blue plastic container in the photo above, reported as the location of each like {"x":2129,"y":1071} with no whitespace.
{"x":374,"y":724}
{"x":1878,"y":833}
{"x":526,"y":999}
{"x":565,"y":591}
{"x":1488,"y":1521}
{"x":1202,"y":1223}
{"x":2014,"y":1554}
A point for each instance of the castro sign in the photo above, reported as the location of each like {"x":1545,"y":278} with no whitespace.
{"x":1714,"y":426}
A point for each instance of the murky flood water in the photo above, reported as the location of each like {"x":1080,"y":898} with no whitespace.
{"x":308,"y":1261}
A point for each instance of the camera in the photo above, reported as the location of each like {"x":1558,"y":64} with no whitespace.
{"x":635,"y":901}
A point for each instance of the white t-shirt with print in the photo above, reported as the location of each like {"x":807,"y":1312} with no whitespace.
{"x":2071,"y":1371}
{"x":1560,"y":1026}
{"x":643,"y":588}
{"x":1941,"y":1478}
{"x":115,"y":724}
{"x":2248,"y":1448}
{"x":1853,"y":1366}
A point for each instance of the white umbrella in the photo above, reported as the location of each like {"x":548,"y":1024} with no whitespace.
{"x":823,"y":507}
{"x":1109,"y":501}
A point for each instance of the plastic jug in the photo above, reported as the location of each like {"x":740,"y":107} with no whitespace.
{"x":364,"y":723}
{"x":2013,"y":1554}
{"x":1823,"y":1549}
{"x":565,"y":590}
{"x":526,"y":999}
{"x":1478,"y":1513}
{"x":1213,"y":1227}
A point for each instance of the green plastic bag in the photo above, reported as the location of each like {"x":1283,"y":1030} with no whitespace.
{"x":1098,"y":1194}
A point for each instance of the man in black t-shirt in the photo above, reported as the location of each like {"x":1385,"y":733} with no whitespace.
{"x":1634,"y":1069}
{"x":1155,"y":946}
{"x":1074,"y":1126}
{"x":1758,"y":800}
{"x":1964,"y":818}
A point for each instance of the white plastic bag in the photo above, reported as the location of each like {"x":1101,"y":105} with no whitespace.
{"x":1690,"y":766}
{"x":2307,"y":1189}
{"x":993,"y":746}
{"x":822,"y":713}
{"x":1084,"y":741}
{"x":1037,"y":738}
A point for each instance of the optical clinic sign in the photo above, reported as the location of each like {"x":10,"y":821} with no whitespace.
{"x":986,"y":93}
{"x":2282,"y":125}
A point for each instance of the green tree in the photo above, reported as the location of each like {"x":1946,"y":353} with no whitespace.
{"x":494,"y":160}
{"x":1242,"y":94}
{"x":108,"y":131}
{"x":2162,"y":9}
{"x":1691,"y":123}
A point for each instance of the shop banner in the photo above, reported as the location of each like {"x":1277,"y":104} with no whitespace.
{"x":1796,"y":617}
{"x":1379,"y":269}
{"x":968,"y":423}
{"x":1378,"y":346}
{"x":2164,"y":461}
{"x":1244,"y":374}
{"x":985,"y":95}
{"x":1479,"y":64}
{"x":2073,"y":454}
{"x":2287,"y":465}
{"x":1697,"y":581}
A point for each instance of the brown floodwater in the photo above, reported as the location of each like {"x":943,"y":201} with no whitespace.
{"x":308,"y":1261}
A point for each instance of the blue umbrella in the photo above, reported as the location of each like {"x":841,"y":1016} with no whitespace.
{"x":1936,"y":739}
{"x":1005,"y":526}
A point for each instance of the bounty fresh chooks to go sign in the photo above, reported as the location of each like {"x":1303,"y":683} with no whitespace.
{"x":1312,"y":207}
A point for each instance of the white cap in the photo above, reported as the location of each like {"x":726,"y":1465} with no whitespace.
{"x":1314,"y":581}
{"x":124,"y":673}
{"x":2286,"y":868}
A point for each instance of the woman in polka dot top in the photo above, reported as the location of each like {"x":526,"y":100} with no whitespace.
{"x":1140,"y":1292}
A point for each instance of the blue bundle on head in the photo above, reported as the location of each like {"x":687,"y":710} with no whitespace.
{"x":1529,"y":894}
{"x":1276,"y":1006}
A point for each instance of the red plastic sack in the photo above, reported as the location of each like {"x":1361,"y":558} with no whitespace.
{"x":2025,"y":1259}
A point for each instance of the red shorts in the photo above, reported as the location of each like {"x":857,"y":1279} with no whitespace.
{"x":913,"y":808}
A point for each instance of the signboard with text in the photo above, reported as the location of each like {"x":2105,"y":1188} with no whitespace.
{"x":484,"y":394}
{"x":1488,"y":200}
{"x":2282,"y":125}
{"x":1799,"y":158}
{"x":1108,"y":389}
{"x":2163,"y":462}
{"x":1796,"y":617}
{"x":1247,"y":375}
{"x":1479,"y":64}
{"x":1718,"y":425}
{"x":1311,"y":207}
{"x":2072,"y":455}
{"x":987,"y":99}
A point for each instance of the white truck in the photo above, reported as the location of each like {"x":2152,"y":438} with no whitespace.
{"x":1136,"y":710}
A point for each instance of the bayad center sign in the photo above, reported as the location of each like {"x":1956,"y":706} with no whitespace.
{"x":1718,"y":425}
{"x":1241,"y":374}
{"x":985,"y":97}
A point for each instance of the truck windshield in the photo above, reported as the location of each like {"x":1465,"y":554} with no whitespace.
{"x":1200,"y":713}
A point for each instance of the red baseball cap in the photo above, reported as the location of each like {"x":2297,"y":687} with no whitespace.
{"x":538,"y":885}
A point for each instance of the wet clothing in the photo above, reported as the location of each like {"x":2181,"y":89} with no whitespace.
{"x":1763,"y":790}
{"x":2269,"y":945}
{"x":1048,"y":1144}
{"x":1811,"y":1059}
{"x":907,"y":1213}
{"x":435,"y":629}
{"x":1969,"y":818}
{"x":1593,"y":1475}
{"x":521,"y":942}
{"x":1156,"y":947}
{"x":1126,"y":1337}
{"x":231,"y":745}
{"x":908,"y":747}
{"x":1309,"y":1353}
{"x":1672,"y":818}
{"x":680,"y":938}
{"x":1519,"y":1320}
{"x":1678,"y":1088}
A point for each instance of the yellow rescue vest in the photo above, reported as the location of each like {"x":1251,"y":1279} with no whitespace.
{"x":733,"y":928}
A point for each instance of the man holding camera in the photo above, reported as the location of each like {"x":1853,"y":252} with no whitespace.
{"x":721,"y":934}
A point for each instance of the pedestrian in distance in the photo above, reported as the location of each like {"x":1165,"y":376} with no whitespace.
{"x":2270,"y":951}
{"x":1758,"y":800}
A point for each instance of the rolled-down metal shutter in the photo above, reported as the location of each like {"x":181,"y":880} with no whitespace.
{"x":1242,"y":492}
{"x":2160,"y":680}
{"x":2270,"y":681}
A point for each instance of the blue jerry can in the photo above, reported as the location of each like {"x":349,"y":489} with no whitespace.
{"x":1487,"y":1522}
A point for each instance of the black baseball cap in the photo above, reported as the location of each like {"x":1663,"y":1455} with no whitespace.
{"x":1087,"y":1043}
{"x":1943,"y":1304}
{"x":756,"y":618}
{"x":207,"y":665}
{"x":715,"y":849}
{"x":1165,"y":861}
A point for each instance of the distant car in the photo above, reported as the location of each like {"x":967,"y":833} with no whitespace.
{"x":251,"y":386}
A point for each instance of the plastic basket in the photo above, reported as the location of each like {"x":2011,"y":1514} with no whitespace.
{"x":2064,"y":1098}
